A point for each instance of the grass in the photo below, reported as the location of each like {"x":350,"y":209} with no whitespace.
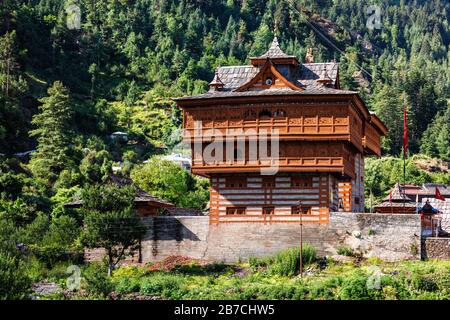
{"x":344,"y":251}
{"x":277,"y":277}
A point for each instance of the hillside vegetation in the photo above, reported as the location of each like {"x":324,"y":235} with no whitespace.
{"x":64,"y":90}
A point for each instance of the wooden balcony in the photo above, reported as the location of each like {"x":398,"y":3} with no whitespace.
{"x":288,"y":128}
{"x":337,"y":165}
{"x":372,"y":141}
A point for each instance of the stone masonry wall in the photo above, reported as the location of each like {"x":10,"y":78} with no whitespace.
{"x":388,"y":237}
{"x":436,"y":248}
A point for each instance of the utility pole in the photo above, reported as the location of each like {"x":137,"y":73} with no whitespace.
{"x":301,"y":238}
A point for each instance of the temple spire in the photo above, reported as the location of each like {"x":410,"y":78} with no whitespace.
{"x":275,"y":54}
{"x":325,"y":78}
{"x":309,"y":56}
{"x":216,"y":84}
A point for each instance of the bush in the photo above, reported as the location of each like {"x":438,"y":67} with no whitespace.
{"x":423,"y":283}
{"x":325,"y":289}
{"x":287,"y":262}
{"x":14,"y":281}
{"x":128,"y":285}
{"x":164,"y":285}
{"x":354,"y":287}
{"x":53,"y":253}
{"x":97,"y":280}
{"x":344,"y":251}
{"x":257,"y":263}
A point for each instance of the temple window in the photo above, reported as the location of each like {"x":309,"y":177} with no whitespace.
{"x":268,"y":210}
{"x":235,"y":210}
{"x":279,"y":113}
{"x":236,"y":183}
{"x":301,"y":182}
{"x":268,"y":182}
{"x":250,"y":114}
{"x":264,"y":113}
{"x":300,"y":209}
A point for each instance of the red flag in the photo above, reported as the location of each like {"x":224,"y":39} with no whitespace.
{"x":390,"y":198}
{"x":438,"y":195}
{"x":405,"y":132}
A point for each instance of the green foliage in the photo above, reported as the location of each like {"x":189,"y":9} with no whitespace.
{"x":14,"y":281}
{"x":54,"y":240}
{"x":344,"y":251}
{"x":110,"y":222}
{"x":286,"y":262}
{"x":97,"y":281}
{"x":170,"y":181}
{"x":53,"y":133}
{"x":163,"y":285}
{"x":96,"y":166}
{"x":436,"y":139}
{"x":391,"y":281}
{"x":354,"y":287}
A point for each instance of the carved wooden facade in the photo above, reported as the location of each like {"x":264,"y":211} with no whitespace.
{"x":322,"y":133}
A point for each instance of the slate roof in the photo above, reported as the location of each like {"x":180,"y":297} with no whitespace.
{"x":426,"y":189}
{"x":387,"y":204}
{"x":183,"y":212}
{"x":141,"y":195}
{"x":305,"y":76}
{"x":269,"y":92}
{"x":397,"y":195}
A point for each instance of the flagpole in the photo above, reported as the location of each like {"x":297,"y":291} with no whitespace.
{"x":405,"y":143}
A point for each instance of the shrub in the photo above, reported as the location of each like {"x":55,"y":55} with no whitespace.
{"x":163,"y":285}
{"x":128,"y":285}
{"x":354,"y":287}
{"x":287,"y":262}
{"x":14,"y":282}
{"x":325,"y":289}
{"x":97,"y":280}
{"x":282,"y":292}
{"x":423,"y":283}
{"x":344,"y":251}
{"x":256,"y":263}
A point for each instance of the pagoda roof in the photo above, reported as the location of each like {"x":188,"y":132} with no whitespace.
{"x":293,"y":78}
{"x":274,"y":52}
{"x":304,"y":76}
{"x":397,"y":195}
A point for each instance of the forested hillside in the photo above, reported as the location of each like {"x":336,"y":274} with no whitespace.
{"x":65,"y":90}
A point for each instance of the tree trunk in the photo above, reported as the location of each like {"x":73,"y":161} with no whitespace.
{"x":110,"y":264}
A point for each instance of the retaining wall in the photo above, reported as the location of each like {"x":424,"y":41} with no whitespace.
{"x":389,"y":237}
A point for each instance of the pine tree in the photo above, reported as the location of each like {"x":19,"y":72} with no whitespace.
{"x":53,"y":132}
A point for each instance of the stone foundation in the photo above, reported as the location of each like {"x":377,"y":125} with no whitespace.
{"x":436,"y":248}
{"x":388,"y":237}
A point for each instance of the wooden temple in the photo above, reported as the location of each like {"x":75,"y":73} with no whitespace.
{"x":396,"y":202}
{"x":323,"y":134}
